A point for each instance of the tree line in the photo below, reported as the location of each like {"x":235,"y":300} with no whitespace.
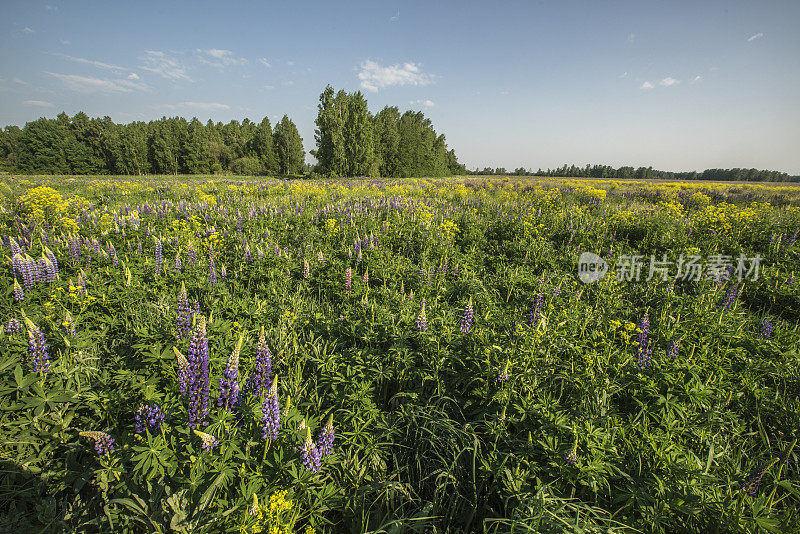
{"x":83,"y":145}
{"x":644,"y":173}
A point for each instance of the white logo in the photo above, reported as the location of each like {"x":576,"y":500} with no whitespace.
{"x":591,"y":267}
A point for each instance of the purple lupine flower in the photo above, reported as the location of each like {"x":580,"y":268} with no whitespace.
{"x":366,"y":277}
{"x":306,"y":270}
{"x":326,"y":437}
{"x":184,"y":314}
{"x":466,"y":319}
{"x":50,"y":271}
{"x":643,"y":350}
{"x":535,"y":314}
{"x":248,"y":256}
{"x":229,"y":382}
{"x":158,"y":256}
{"x":103,"y":443}
{"x":312,"y":456}
{"x":197,"y":387}
{"x":259,"y":378}
{"x":766,"y":329}
{"x":208,"y":441}
{"x":183,"y":371}
{"x":348,"y":280}
{"x":69,"y":324}
{"x":212,"y":271}
{"x":52,"y":258}
{"x":729,"y":300}
{"x":571,"y":457}
{"x":191,"y":255}
{"x":753,"y":480}
{"x":148,"y":417}
{"x":37,"y":348}
{"x":138,"y":246}
{"x":19,"y":293}
{"x":13,"y":326}
{"x":502,"y":376}
{"x":455,"y":272}
{"x":674,"y":347}
{"x":422,"y":319}
{"x":178,"y":264}
{"x":271,"y":409}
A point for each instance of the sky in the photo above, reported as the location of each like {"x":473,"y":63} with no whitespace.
{"x":534,"y":84}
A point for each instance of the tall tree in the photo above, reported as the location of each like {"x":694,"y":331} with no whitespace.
{"x":289,"y":147}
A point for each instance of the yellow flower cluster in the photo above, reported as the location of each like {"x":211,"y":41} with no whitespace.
{"x":43,"y":204}
{"x":274,"y":517}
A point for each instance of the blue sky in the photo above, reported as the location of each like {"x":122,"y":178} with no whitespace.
{"x":676,"y":85}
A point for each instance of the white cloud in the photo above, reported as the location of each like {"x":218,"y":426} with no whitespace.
{"x":264,"y":62}
{"x":52,"y":8}
{"x":203,"y":106}
{"x":65,"y":42}
{"x":755,"y":36}
{"x":631,"y":37}
{"x":17,"y":80}
{"x":624,"y":74}
{"x":133,"y":76}
{"x":87,"y":85}
{"x":697,"y":79}
{"x":219,"y":58}
{"x":269,"y":87}
{"x":98,"y":64}
{"x":669,"y":81}
{"x":423,"y":103}
{"x":27,"y":30}
{"x":164,"y":65}
{"x":290,"y":63}
{"x":395,"y":17}
{"x":287,"y":83}
{"x":39,"y":104}
{"x":373,"y":76}
{"x":646,"y":85}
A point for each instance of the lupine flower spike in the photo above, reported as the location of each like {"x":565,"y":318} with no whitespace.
{"x":148,"y":417}
{"x":326,"y":437}
{"x":311,"y":454}
{"x":69,"y":324}
{"x":37,"y":348}
{"x":198,"y":380}
{"x":571,"y":457}
{"x":208,"y":441}
{"x":466,"y":319}
{"x":13,"y":326}
{"x":183,"y":370}
{"x":272,"y":412}
{"x":103,"y":443}
{"x":228,"y":383}
{"x":422,"y":319}
{"x":502,"y":376}
{"x":259,"y":378}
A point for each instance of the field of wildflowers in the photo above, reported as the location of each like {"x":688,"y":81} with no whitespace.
{"x":219,"y":355}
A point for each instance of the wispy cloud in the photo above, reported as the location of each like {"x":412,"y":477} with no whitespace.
{"x":133,"y":76}
{"x":38,"y":104}
{"x":49,"y":7}
{"x":290,"y":63}
{"x":202,"y":106}
{"x":164,"y":65}
{"x":696,"y":79}
{"x":98,"y":64}
{"x":755,"y":36}
{"x":669,"y":81}
{"x":89,"y":85}
{"x":65,"y":42}
{"x":374,"y":76}
{"x":423,"y":103}
{"x":395,"y":17}
{"x":631,"y":37}
{"x":264,"y":62}
{"x":17,"y":80}
{"x":27,"y":30}
{"x":646,"y":85}
{"x":624,"y":74}
{"x":219,"y":58}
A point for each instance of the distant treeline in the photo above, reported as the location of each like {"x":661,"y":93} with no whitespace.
{"x":644,"y":173}
{"x":350,"y":142}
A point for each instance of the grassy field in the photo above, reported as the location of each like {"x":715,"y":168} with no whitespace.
{"x":209,"y":354}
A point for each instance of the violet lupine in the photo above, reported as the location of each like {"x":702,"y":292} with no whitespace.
{"x":69,"y":324}
{"x":571,"y":457}
{"x":13,"y":326}
{"x":103,"y":443}
{"x":50,"y":271}
{"x":729,"y":300}
{"x":366,"y":277}
{"x":455,"y":272}
{"x":466,"y":319}
{"x":54,"y":261}
{"x":766,"y":329}
{"x":535,"y":313}
{"x":259,"y":378}
{"x":348,"y":280}
{"x":753,"y":480}
{"x":229,"y":382}
{"x":19,"y":293}
{"x":271,"y":409}
{"x":248,"y":256}
{"x":502,"y":376}
{"x":674,"y":347}
{"x":183,"y":371}
{"x":191,"y":255}
{"x":643,"y":350}
{"x":422,"y":318}
{"x":212,"y":271}
{"x":326,"y":437}
{"x":312,"y":456}
{"x":208,"y":441}
{"x":184,"y":314}
{"x":197,"y":387}
{"x":148,"y":417}
{"x":306,"y":270}
{"x":178,"y":264}
{"x":37,"y":348}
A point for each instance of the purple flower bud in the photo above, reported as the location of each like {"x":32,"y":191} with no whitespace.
{"x":271,"y":412}
{"x":228,"y":383}
{"x":312,"y":456}
{"x":259,"y":378}
{"x":13,"y":326}
{"x":148,"y":417}
{"x":466,"y":319}
{"x":197,"y":387}
{"x":103,"y":443}
{"x":422,"y":318}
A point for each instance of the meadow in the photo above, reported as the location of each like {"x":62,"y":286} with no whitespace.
{"x":210,"y":354}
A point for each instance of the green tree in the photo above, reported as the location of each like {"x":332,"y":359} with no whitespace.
{"x":288,"y":147}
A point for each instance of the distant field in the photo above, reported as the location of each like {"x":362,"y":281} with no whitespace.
{"x":472,"y":354}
